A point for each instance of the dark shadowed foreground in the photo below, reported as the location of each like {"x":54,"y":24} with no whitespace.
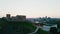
{"x":14,"y":27}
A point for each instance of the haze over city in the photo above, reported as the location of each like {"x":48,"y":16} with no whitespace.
{"x":30,"y":8}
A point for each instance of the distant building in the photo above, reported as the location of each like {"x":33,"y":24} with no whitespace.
{"x":8,"y":15}
{"x":15,"y":18}
{"x":19,"y":18}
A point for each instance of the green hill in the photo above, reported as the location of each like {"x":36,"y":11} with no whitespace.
{"x":14,"y":27}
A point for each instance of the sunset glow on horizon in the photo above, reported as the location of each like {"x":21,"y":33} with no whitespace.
{"x":30,"y":8}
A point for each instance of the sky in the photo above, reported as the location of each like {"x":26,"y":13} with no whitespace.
{"x":30,"y":8}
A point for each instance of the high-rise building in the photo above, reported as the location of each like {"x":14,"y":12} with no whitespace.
{"x":8,"y":15}
{"x":16,"y":18}
{"x":21,"y":17}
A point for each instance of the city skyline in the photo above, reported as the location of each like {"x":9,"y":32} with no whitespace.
{"x":30,"y":8}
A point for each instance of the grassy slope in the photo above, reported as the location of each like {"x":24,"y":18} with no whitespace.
{"x":33,"y":28}
{"x":27,"y":27}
